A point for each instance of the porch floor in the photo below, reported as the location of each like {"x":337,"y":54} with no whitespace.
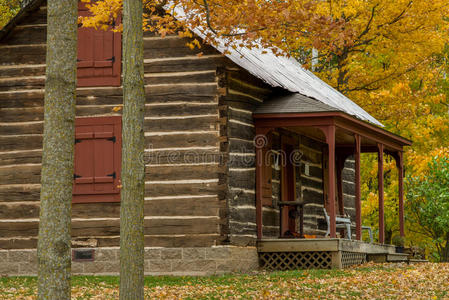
{"x":325,"y":253}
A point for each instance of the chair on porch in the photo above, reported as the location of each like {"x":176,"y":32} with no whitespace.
{"x":344,"y":222}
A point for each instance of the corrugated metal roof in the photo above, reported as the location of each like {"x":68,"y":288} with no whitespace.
{"x":277,"y":71}
{"x":293,"y":103}
{"x":287,"y":73}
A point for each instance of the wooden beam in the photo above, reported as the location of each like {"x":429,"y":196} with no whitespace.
{"x":400,"y":164}
{"x":380,"y":174}
{"x":329,"y":133}
{"x":260,"y":142}
{"x":358,"y":203}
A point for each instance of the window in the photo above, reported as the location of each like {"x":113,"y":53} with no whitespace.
{"x":99,"y":55}
{"x":97,"y":159}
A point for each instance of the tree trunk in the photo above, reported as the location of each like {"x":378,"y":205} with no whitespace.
{"x":53,"y":249}
{"x":133,"y":168}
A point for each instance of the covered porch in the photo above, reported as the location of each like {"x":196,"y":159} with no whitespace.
{"x":343,"y":136}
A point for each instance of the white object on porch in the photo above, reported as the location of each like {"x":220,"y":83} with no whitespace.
{"x":344,"y":222}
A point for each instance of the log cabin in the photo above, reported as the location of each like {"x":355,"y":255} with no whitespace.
{"x":237,"y":159}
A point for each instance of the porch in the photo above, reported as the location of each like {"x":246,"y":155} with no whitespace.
{"x":322,"y":253}
{"x":342,"y":136}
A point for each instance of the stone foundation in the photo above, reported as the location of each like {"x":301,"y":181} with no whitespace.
{"x":158,"y":261}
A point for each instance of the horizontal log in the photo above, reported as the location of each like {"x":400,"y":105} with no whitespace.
{"x":183,"y":156}
{"x":173,"y":47}
{"x":311,"y":196}
{"x":22,"y":70}
{"x":22,"y":54}
{"x":209,"y":206}
{"x":314,"y":171}
{"x":181,"y":77}
{"x":20,"y":174}
{"x":240,"y":216}
{"x":173,"y":189}
{"x":20,"y":142}
{"x":245,"y":180}
{"x":21,"y":157}
{"x":184,"y":64}
{"x":243,"y":240}
{"x":25,"y":114}
{"x":167,"y":172}
{"x":271,"y":218}
{"x":311,"y":156}
{"x":187,"y":240}
{"x":306,"y":182}
{"x":242,"y":85}
{"x":241,"y":146}
{"x":241,"y":131}
{"x":38,"y":16}
{"x":311,"y":143}
{"x":105,"y":227}
{"x":242,"y":160}
{"x":234,"y":97}
{"x":23,"y":35}
{"x":181,"y":110}
{"x":182,"y":140}
{"x":22,"y":128}
{"x":21,"y":83}
{"x":19,"y":192}
{"x":181,"y":92}
{"x":113,"y":95}
{"x":241,"y":115}
{"x":195,"y":123}
{"x":242,"y":75}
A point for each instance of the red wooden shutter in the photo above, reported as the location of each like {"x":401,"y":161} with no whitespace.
{"x":97,"y":159}
{"x":99,"y":55}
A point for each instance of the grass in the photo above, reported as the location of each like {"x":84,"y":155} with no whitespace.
{"x":370,"y":281}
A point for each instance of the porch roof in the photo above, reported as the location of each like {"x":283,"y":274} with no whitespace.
{"x":297,"y":112}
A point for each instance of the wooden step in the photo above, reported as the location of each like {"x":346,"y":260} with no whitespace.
{"x":397,"y":257}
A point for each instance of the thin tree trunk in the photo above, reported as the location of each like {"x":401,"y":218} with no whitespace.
{"x":133,"y":168}
{"x":53,"y":249}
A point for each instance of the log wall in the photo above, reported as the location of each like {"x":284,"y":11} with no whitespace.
{"x":185,"y":203}
{"x":200,"y":157}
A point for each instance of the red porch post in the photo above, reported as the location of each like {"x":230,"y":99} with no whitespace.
{"x":329,"y":132}
{"x":400,"y":165}
{"x":380,"y":174}
{"x":260,"y":141}
{"x":331,"y":142}
{"x":358,"y":203}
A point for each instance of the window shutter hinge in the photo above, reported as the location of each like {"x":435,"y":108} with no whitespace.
{"x":77,"y":141}
{"x":111,"y":59}
{"x":111,"y":139}
{"x":75,"y":176}
{"x":111,"y":175}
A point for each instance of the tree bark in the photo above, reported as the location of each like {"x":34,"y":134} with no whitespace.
{"x":53,"y":250}
{"x":133,"y":168}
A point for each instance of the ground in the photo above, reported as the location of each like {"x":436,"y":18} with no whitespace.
{"x":369,"y":281}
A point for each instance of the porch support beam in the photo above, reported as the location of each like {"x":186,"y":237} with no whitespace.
{"x":261,"y":135}
{"x":331,"y":142}
{"x":380,"y":174}
{"x":400,"y":165}
{"x":358,"y":203}
{"x":329,"y":133}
